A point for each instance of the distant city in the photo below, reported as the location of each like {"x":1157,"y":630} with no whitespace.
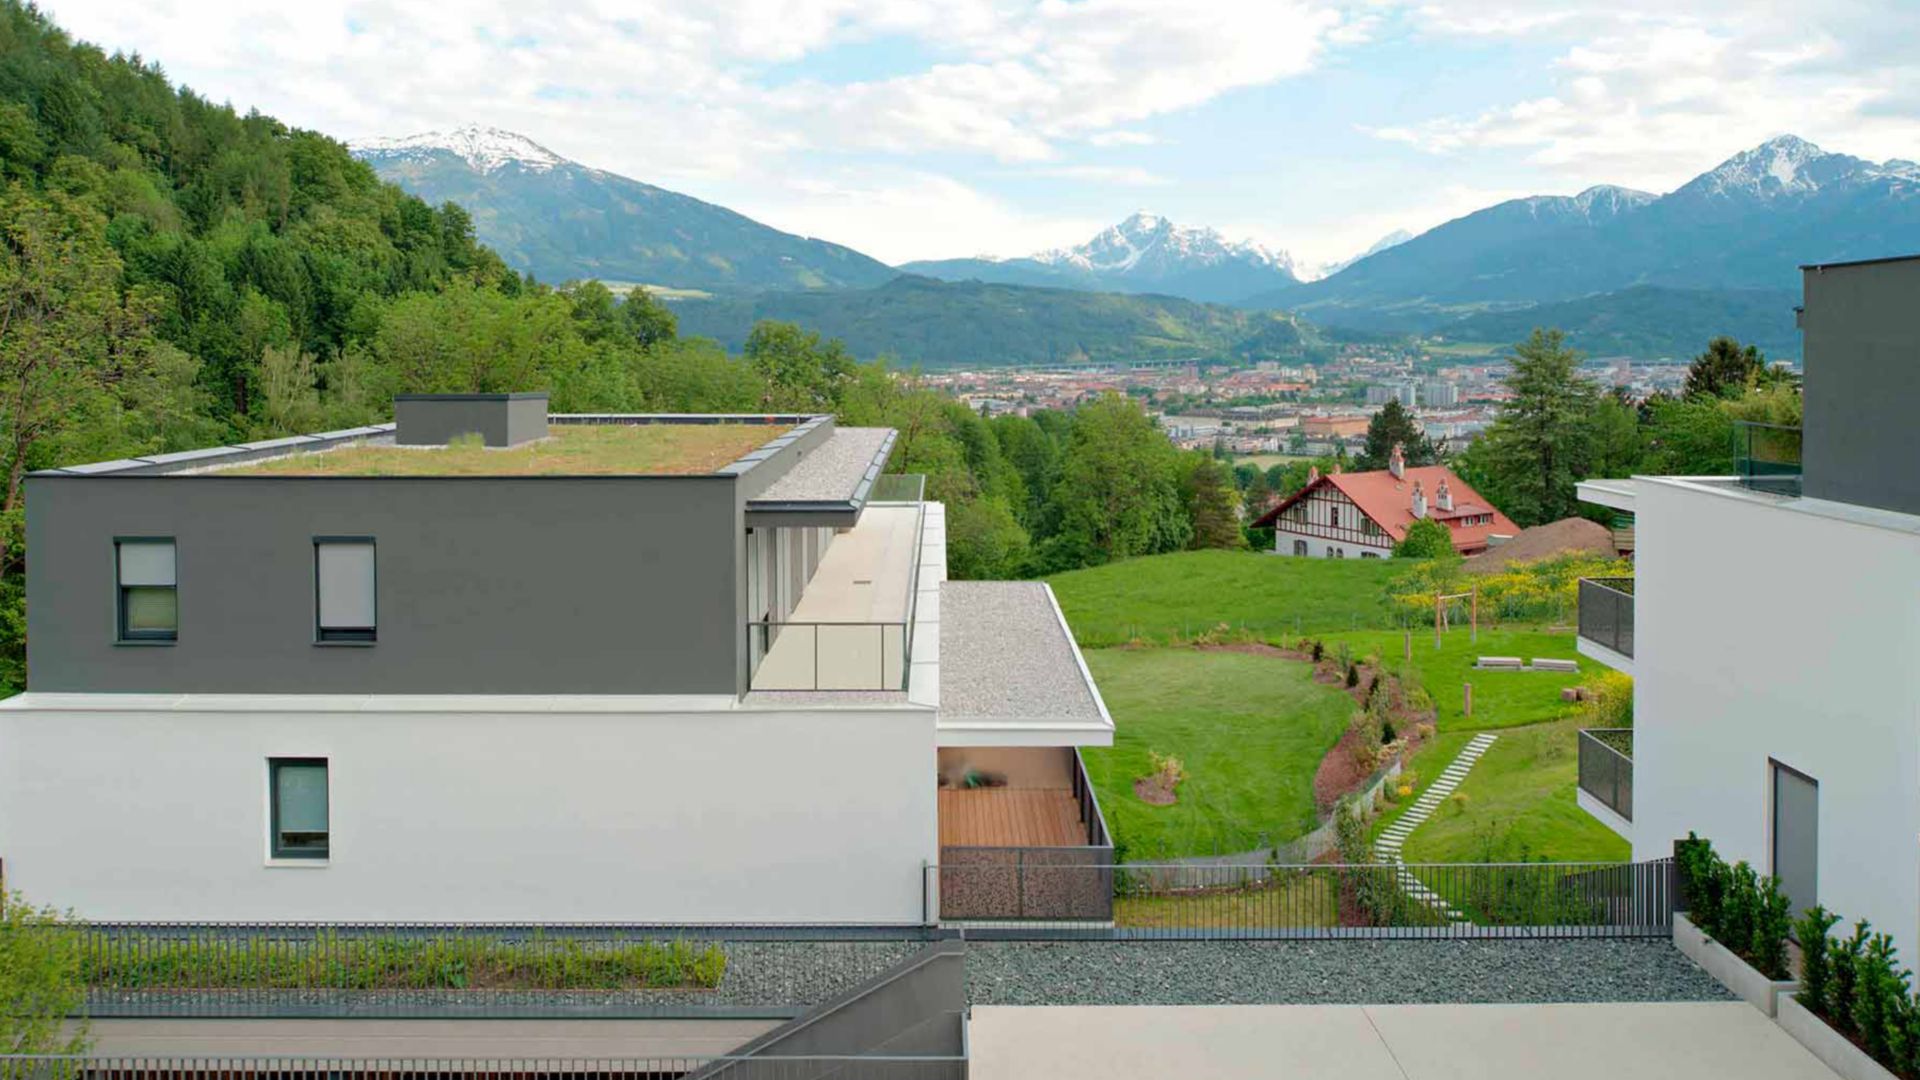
{"x":1302,"y":410}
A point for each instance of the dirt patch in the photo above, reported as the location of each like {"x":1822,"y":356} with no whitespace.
{"x":1154,"y":791}
{"x":1256,"y":648}
{"x":1338,"y":773}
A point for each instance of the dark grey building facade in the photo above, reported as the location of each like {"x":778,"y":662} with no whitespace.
{"x":1860,"y":325}
{"x":625,"y":584}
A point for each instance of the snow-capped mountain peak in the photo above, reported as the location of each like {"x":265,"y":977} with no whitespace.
{"x":1785,"y":166}
{"x":1150,"y":242}
{"x":484,"y":149}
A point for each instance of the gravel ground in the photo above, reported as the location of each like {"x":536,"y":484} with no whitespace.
{"x":1342,"y":972}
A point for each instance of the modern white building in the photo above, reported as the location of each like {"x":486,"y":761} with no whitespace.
{"x":1772,"y":626}
{"x":579,"y":674}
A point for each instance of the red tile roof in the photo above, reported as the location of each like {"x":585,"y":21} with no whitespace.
{"x":1389,"y":502}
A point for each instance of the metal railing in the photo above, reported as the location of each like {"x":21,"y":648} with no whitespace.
{"x":898,"y":488}
{"x":830,"y":655}
{"x":1089,"y":800}
{"x":1766,"y":457}
{"x":1379,"y":900}
{"x":758,"y":1067}
{"x":1606,"y":773}
{"x":417,"y":971}
{"x":1606,"y":612}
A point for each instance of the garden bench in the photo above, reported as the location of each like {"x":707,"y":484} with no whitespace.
{"x":1500,"y":663}
{"x":1541,"y":663}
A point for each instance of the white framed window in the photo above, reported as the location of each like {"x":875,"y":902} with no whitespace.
{"x":148,"y":597}
{"x":346,"y":587}
{"x":298,"y":808}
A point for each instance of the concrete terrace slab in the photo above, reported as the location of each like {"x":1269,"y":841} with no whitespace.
{"x":1009,"y":670}
{"x":1657,"y":1041}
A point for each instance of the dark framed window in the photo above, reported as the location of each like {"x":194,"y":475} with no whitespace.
{"x":345,"y":584}
{"x":147,"y":604}
{"x":297,"y":793}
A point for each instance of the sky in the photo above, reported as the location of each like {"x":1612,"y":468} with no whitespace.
{"x":914,"y":129}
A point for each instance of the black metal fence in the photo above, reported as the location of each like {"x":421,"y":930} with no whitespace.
{"x":1439,"y":900}
{"x":1606,"y":773}
{"x":1606,"y":612}
{"x":411,"y":971}
{"x":810,"y":1067}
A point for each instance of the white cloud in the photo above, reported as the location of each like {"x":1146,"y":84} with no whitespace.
{"x":1649,"y":94}
{"x":901,"y":215}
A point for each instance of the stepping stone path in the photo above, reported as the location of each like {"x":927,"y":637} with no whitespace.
{"x":1387,"y":848}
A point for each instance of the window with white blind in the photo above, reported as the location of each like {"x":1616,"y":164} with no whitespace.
{"x":297,"y":793}
{"x":148,"y":603}
{"x":344,"y":589}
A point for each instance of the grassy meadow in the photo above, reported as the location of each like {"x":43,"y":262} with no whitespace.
{"x":1251,"y":729}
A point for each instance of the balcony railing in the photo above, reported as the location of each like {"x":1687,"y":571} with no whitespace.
{"x":1606,"y":768}
{"x":898,"y":488}
{"x":829,"y":655}
{"x":1766,"y":457}
{"x":1606,"y":613}
{"x":1060,"y":884}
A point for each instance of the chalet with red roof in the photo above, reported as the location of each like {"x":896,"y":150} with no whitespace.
{"x":1362,"y":515}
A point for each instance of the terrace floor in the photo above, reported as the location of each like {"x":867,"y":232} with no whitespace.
{"x":864,"y":582}
{"x":1010,"y":817}
{"x":1694,"y":1040}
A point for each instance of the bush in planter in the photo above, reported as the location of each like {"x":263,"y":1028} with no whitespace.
{"x":1845,"y":960}
{"x":1772,"y":920}
{"x":1816,"y":965}
{"x":1881,"y":998}
{"x":1735,"y":906}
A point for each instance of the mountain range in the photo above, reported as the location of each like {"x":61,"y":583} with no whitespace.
{"x":559,"y":220}
{"x":1624,"y":271}
{"x":1145,"y":253}
{"x":1745,"y":225}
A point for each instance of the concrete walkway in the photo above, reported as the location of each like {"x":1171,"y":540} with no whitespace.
{"x":1387,"y":847}
{"x":1691,"y":1040}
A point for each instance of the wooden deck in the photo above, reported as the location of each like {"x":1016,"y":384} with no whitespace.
{"x":1010,"y":817}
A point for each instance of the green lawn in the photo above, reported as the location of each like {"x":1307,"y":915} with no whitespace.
{"x":1251,"y":731}
{"x":1166,"y":596}
{"x":1250,"y":772}
{"x":1500,"y":698}
{"x":1519,"y":799}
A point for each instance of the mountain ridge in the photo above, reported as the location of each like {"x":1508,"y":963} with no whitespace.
{"x":560,"y":220}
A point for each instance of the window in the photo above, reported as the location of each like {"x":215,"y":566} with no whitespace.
{"x":1369,"y":554}
{"x":1299,"y":547}
{"x":1333,"y":516}
{"x":344,"y":589}
{"x":298,"y":793}
{"x":149,"y":609}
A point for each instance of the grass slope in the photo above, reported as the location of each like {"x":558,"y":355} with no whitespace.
{"x":1501,"y":699}
{"x":1519,"y":801}
{"x":1251,"y":730}
{"x":1164,"y":597}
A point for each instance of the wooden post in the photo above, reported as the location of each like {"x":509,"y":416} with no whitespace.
{"x":1476,"y":615}
{"x":1406,"y":651}
{"x":1439,"y":605}
{"x":1467,"y":692}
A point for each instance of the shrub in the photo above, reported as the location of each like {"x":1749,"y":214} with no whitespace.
{"x":42,"y":980}
{"x":1353,"y":675}
{"x":1735,"y":906}
{"x":1426,"y":539}
{"x":1319,"y":650}
{"x":1816,"y":969}
{"x":1169,"y":768}
{"x":1772,"y":920}
{"x":1846,"y":966}
{"x":1879,"y":990}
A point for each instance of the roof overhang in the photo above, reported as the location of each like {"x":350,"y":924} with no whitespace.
{"x":773,"y":510}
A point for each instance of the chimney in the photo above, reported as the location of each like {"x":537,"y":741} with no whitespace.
{"x":1335,"y":471}
{"x":1443,"y":496}
{"x":1397,"y":462}
{"x":1313,"y":474}
{"x":1419,"y":501}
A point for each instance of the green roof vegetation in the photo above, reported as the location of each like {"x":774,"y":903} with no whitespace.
{"x":570,"y":450}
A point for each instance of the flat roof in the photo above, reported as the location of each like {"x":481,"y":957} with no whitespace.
{"x":1858,"y":262}
{"x":1006,"y":655}
{"x":834,"y":470}
{"x":568,"y":450}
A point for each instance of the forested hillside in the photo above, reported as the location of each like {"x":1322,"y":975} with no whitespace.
{"x":935,"y":324}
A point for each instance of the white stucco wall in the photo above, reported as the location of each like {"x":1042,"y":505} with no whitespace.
{"x":1317,"y":546}
{"x":445,"y":811}
{"x":1765,"y":632}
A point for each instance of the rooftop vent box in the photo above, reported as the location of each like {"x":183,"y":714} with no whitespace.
{"x":499,"y":419}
